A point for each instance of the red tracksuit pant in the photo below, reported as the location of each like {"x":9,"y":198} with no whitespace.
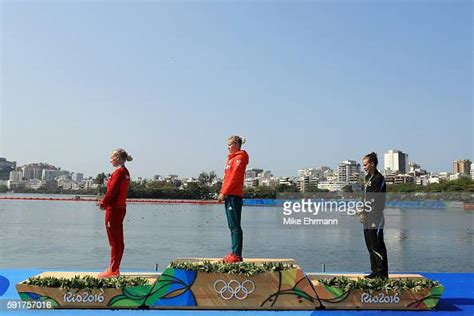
{"x":114,"y":225}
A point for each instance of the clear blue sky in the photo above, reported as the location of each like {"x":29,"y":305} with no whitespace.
{"x":308,"y":83}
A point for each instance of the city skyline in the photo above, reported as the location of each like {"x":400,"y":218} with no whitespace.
{"x":347,"y":176}
{"x":175,"y":80}
{"x":382,"y":167}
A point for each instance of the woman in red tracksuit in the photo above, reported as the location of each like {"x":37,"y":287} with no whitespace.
{"x":114,"y":205}
{"x":232,"y":193}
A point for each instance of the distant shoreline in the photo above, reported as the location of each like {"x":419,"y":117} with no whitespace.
{"x":88,"y":198}
{"x":395,"y":204}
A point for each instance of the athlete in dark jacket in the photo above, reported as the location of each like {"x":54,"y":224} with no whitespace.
{"x":373,"y":218}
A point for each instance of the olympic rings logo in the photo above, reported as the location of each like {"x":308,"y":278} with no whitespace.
{"x":234,"y":289}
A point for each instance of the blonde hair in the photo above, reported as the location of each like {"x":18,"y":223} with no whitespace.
{"x":122,"y":155}
{"x":237,"y":139}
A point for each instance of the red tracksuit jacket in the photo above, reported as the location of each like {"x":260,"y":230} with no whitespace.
{"x":117,"y":189}
{"x":235,"y":173}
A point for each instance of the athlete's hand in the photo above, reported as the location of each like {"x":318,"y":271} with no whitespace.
{"x":362,"y":217}
{"x":221,"y":197}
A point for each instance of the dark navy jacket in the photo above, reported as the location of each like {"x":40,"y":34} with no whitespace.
{"x":374,"y":191}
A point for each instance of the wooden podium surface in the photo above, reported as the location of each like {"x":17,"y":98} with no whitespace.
{"x":315,"y":276}
{"x":66,"y":275}
{"x":249,"y":260}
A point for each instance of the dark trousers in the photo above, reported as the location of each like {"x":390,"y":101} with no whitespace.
{"x":377,"y":251}
{"x":114,"y":225}
{"x":233,"y":211}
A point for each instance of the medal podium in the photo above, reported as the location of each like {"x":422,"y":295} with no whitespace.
{"x":208,"y":283}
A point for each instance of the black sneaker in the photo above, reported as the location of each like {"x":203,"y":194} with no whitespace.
{"x":373,"y":275}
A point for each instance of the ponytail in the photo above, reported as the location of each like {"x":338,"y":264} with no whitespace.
{"x":372,"y":157}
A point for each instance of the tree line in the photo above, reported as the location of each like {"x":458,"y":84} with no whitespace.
{"x":206,"y":188}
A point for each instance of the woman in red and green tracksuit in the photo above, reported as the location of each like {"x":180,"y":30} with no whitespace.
{"x":232,"y":193}
{"x":115,"y":208}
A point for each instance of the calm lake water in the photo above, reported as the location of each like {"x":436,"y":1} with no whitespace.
{"x":71,"y":235}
